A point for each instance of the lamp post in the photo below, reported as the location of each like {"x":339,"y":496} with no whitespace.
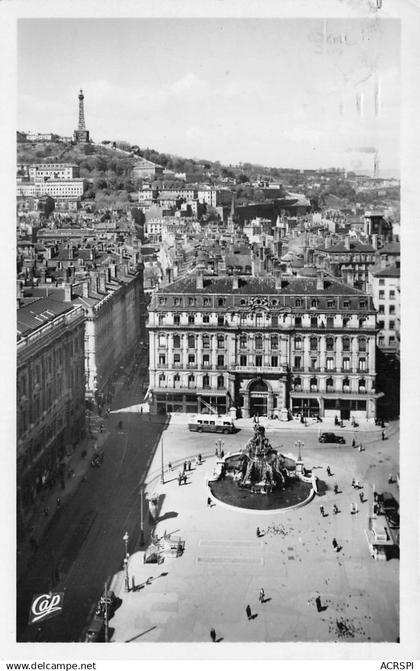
{"x":127,"y":581}
{"x":125,"y":539}
{"x":299,"y":464}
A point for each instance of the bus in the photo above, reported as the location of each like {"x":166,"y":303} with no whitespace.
{"x":212,"y":423}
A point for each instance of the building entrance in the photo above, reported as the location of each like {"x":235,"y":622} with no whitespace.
{"x":258,"y":398}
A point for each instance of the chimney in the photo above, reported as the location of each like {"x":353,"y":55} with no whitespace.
{"x":320,"y":280}
{"x":199,"y":280}
{"x":67,"y":292}
{"x":347,"y":242}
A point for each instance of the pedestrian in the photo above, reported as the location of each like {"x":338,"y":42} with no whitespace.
{"x":262,"y":595}
{"x":185,"y":465}
{"x":335,"y":488}
{"x":258,"y":532}
{"x":390,"y":479}
{"x":248,"y":612}
{"x":321,"y":510}
{"x":335,"y":544}
{"x":328,"y":470}
{"x":170,"y":466}
{"x":213,"y":635}
{"x":209,"y":502}
{"x":335,"y":509}
{"x":360,"y":447}
{"x":361,"y":497}
{"x":353,"y":483}
{"x":353,"y":508}
{"x":58,"y":501}
{"x":199,"y":458}
{"x":318,"y":604}
{"x":383,"y":435}
{"x":179,"y":479}
{"x":353,"y":443}
{"x":141,"y":409}
{"x":222,"y":454}
{"x":189,"y":465}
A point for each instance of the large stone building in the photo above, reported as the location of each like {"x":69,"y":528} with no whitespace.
{"x":262,"y":345}
{"x":385,"y":289}
{"x":50,"y":394}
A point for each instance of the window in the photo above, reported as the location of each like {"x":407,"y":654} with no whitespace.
{"x":206,"y":381}
{"x":297,"y":362}
{"x":330,"y":344}
{"x":392,"y":325}
{"x":381,"y":283}
{"x":162,"y":359}
{"x":206,"y":360}
{"x":346,"y":384}
{"x":177,"y":341}
{"x":242,"y":360}
{"x":274,"y":321}
{"x":242,"y":341}
{"x":274,"y":361}
{"x":162,"y":301}
{"x":220,"y":360}
{"x":191,"y":301}
{"x":206,"y":301}
{"x":314,"y":363}
{"x":206,"y":341}
{"x":176,"y":377}
{"x":330,"y":363}
{"x":314,"y":384}
{"x":191,"y":380}
{"x":362,"y":385}
{"x":274,"y":342}
{"x":298,"y":321}
{"x":220,"y":341}
{"x":191,"y":342}
{"x":346,"y":363}
{"x":362,"y":364}
{"x":314,"y":322}
{"x":220,"y":321}
{"x":298,"y":343}
{"x":381,"y":324}
{"x":220,"y":382}
{"x":259,"y":319}
{"x":177,"y":358}
{"x":392,"y":340}
{"x":381,"y":309}
{"x":191,"y":319}
{"x":221,"y":302}
{"x":330,"y":384}
{"x":382,"y":294}
{"x":258,"y":360}
{"x":176,"y":320}
{"x":392,"y":309}
{"x":381,"y":340}
{"x":313,"y":343}
{"x":191,"y":359}
{"x":330,"y":322}
{"x":298,"y":303}
{"x":346,"y":304}
{"x":258,"y":342}
{"x":314,"y":303}
{"x":391,"y":293}
{"x":362,"y":304}
{"x":206,"y":319}
{"x":161,"y":380}
{"x":161,"y":319}
{"x":362,"y":344}
{"x":297,"y":383}
{"x":331,"y":304}
{"x":162,"y":340}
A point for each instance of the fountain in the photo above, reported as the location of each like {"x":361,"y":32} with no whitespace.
{"x":260,"y":477}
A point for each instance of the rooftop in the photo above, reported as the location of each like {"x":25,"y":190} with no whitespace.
{"x":38,"y":313}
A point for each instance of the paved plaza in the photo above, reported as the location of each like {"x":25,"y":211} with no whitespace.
{"x":225,"y":565}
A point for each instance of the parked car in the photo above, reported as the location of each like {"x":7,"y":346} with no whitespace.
{"x":331,"y":438}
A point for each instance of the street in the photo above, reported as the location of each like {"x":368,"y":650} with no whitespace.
{"x":83,"y":544}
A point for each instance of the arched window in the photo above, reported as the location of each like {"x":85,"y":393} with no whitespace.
{"x":177,"y":377}
{"x":177,"y":341}
{"x":346,"y":384}
{"x":362,"y":385}
{"x":330,"y":344}
{"x":346,"y":344}
{"x":220,"y":382}
{"x":297,"y":384}
{"x":314,"y":343}
{"x":191,"y":342}
{"x":221,"y":302}
{"x":161,"y":380}
{"x":330,"y":384}
{"x":314,"y":303}
{"x":206,"y":341}
{"x":191,"y":380}
{"x":258,"y":341}
{"x":314,"y":384}
{"x":242,"y":341}
{"x":362,"y":344}
{"x":298,"y":302}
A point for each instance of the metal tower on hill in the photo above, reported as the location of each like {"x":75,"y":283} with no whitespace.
{"x":81,"y":135}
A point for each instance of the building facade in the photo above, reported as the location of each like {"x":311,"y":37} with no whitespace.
{"x":262,"y":345}
{"x":50,"y":394}
{"x":385,"y":289}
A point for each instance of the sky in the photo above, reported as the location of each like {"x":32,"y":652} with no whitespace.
{"x":298,"y":93}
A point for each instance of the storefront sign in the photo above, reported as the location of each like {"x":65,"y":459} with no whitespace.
{"x":45,"y":606}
